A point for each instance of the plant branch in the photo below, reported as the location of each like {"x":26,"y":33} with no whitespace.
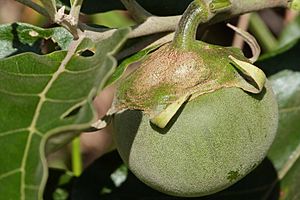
{"x":138,"y":13}
{"x":243,"y":24}
{"x":70,"y":21}
{"x":35,"y":7}
{"x":242,"y":6}
{"x":156,"y":24}
{"x":67,"y":21}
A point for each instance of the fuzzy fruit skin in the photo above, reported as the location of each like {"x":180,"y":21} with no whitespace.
{"x":213,"y":142}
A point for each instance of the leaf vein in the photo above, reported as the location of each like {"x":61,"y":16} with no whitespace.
{"x":12,"y":132}
{"x":17,"y":94}
{"x":26,"y":75}
{"x":81,"y":71}
{"x":64,"y":101}
{"x":12,"y":172}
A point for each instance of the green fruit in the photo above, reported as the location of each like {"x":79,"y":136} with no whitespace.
{"x":198,"y":117}
{"x":211,"y":143}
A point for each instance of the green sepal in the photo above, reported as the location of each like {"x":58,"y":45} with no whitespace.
{"x":255,"y":82}
{"x":251,"y":72}
{"x":163,"y":118}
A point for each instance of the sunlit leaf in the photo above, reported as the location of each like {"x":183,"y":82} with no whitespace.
{"x":46,"y":97}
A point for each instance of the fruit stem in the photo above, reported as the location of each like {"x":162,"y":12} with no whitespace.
{"x":197,"y":12}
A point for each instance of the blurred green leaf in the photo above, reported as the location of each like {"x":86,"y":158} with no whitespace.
{"x":286,"y":86}
{"x":112,"y":19}
{"x":290,"y":33}
{"x":295,"y":5}
{"x":45,"y":101}
{"x":290,"y":183}
{"x":20,"y":37}
{"x":285,"y":151}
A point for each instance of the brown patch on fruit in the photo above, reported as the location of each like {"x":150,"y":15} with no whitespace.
{"x":171,"y":66}
{"x":164,"y":76}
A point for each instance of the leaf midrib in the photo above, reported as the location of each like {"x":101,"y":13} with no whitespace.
{"x":32,"y":128}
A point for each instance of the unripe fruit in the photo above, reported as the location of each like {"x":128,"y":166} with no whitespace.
{"x":215,"y":138}
{"x":211,"y":143}
{"x":198,"y":117}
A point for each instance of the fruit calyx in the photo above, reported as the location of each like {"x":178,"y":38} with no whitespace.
{"x":186,"y":68}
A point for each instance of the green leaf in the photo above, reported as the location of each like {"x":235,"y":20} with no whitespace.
{"x":286,"y":86}
{"x":290,"y":183}
{"x":20,"y":37}
{"x":285,"y":151}
{"x":45,"y":101}
{"x":112,"y":19}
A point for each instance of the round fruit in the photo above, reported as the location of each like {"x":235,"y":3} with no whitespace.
{"x":211,"y":143}
{"x":198,"y":117}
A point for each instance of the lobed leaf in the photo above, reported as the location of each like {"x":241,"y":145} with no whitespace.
{"x":45,"y":100}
